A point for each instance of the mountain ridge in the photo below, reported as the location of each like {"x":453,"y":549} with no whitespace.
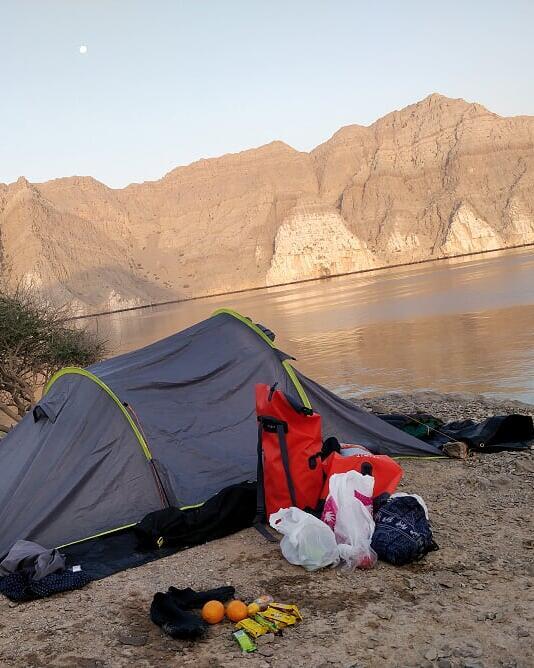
{"x":440,"y":177}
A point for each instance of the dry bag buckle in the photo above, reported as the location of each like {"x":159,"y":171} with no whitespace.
{"x":271,"y":424}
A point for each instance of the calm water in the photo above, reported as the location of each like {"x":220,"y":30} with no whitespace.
{"x":453,"y":326}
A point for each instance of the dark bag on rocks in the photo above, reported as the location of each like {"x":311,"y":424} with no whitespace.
{"x":402,"y":531}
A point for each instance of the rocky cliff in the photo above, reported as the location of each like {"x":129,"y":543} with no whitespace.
{"x":439,"y":178}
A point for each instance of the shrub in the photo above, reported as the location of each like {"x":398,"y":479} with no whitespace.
{"x":36,"y":339}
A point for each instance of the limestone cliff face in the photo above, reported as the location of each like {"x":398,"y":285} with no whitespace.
{"x":313,"y":241}
{"x":439,"y":178}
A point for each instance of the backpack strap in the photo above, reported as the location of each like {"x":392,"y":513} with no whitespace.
{"x":285,"y":461}
{"x":280,"y":428}
{"x":261,"y":516}
{"x":265,"y":532}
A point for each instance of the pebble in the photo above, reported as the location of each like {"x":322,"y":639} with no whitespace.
{"x":431,"y":654}
{"x":266,"y":651}
{"x":444,"y":663}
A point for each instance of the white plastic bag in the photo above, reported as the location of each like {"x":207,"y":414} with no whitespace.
{"x":307,"y":541}
{"x":348,"y":511}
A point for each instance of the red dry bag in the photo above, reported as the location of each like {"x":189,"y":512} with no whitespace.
{"x":386,"y":472}
{"x":289,"y":453}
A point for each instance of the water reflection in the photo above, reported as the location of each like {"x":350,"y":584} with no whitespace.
{"x":463,"y":325}
{"x":490,"y":352}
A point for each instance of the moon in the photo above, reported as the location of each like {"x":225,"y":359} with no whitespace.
{"x":83,"y":49}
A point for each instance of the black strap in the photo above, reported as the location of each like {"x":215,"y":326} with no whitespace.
{"x":285,"y":461}
{"x":265,"y":532}
{"x":260,"y":493}
{"x":280,"y":428}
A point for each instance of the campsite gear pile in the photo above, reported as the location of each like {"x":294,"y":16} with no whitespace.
{"x":30,"y":571}
{"x":349,"y":533}
{"x":302,"y":478}
{"x":295,"y":466}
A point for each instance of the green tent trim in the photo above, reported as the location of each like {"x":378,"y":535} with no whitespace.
{"x":87,"y":374}
{"x":286,"y":363}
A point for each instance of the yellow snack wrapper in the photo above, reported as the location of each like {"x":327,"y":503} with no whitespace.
{"x":279,"y":616}
{"x":289,"y":609}
{"x":252,"y":628}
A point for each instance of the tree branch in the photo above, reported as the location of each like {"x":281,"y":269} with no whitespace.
{"x":9,"y":412}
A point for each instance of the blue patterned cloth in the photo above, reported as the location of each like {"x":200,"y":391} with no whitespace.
{"x":20,"y":587}
{"x":402,"y":532}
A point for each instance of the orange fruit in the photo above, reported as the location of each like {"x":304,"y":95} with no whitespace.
{"x":213,"y":612}
{"x":236,"y":611}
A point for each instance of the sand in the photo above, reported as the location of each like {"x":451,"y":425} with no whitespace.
{"x":469,"y":604}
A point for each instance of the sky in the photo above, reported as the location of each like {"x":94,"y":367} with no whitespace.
{"x":167,"y":82}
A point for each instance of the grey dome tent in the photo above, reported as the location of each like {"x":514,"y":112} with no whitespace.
{"x":170,"y":424}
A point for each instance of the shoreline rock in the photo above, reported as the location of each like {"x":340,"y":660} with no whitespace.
{"x":445,"y":406}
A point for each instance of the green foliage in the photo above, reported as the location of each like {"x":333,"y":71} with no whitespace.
{"x":36,"y":339}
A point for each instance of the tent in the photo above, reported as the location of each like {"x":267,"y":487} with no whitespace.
{"x":170,"y":424}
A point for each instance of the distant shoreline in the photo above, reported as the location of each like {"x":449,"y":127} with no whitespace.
{"x":304,"y":280}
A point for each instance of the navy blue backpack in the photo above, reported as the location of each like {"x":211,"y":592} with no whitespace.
{"x":402,"y":531}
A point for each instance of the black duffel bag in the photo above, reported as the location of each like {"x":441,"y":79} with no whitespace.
{"x":232,"y":509}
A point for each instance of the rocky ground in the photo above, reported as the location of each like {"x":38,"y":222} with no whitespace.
{"x":446,"y":407}
{"x":468,"y":605}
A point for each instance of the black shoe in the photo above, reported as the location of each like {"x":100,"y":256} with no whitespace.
{"x":174,"y":621}
{"x":187,"y":599}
